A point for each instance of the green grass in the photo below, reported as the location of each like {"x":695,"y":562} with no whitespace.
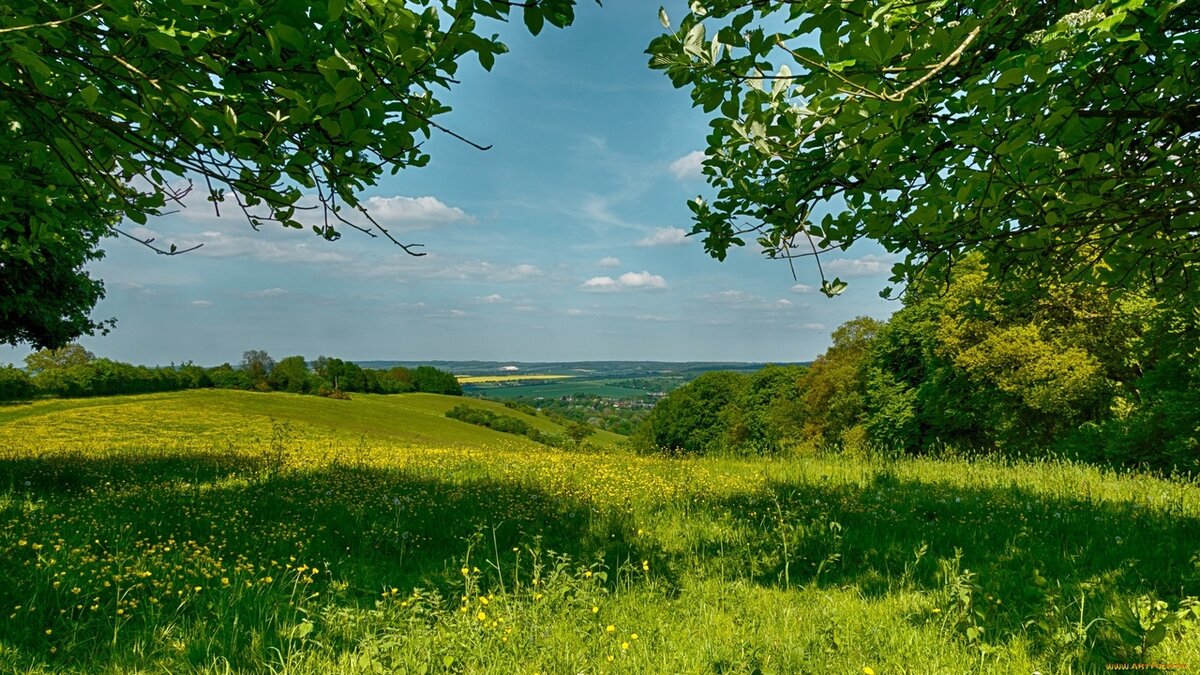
{"x":214,"y":416}
{"x":440,"y":547}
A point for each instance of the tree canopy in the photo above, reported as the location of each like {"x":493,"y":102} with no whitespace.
{"x":1060,"y":139}
{"x":282,"y":112}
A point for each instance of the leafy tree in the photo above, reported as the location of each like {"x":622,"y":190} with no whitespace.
{"x":112,"y":109}
{"x":258,"y":365}
{"x":577,"y":431}
{"x":694,"y":419}
{"x":62,"y":357}
{"x":433,"y":381}
{"x":46,"y":297}
{"x":834,"y":388}
{"x":14,"y":384}
{"x":964,"y":366}
{"x":226,"y":376}
{"x":1058,"y":139}
{"x":290,"y":374}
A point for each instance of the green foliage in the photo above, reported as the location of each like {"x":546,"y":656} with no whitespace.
{"x":291,"y":375}
{"x":696,"y":418}
{"x":835,"y":386}
{"x":46,"y":297}
{"x":433,"y":381}
{"x":112,"y":109}
{"x":725,"y":412}
{"x":1049,"y":137}
{"x":509,"y":424}
{"x":62,"y":357}
{"x":14,"y":384}
{"x":258,"y":365}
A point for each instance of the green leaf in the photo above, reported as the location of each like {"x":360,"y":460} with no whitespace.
{"x":163,"y":42}
{"x":534,"y":19}
{"x":336,"y":7}
{"x":290,"y":36}
{"x":89,"y":94}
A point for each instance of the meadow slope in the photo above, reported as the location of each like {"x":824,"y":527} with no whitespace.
{"x":220,"y":531}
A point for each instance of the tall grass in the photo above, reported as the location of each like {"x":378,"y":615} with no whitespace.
{"x":306,"y":550}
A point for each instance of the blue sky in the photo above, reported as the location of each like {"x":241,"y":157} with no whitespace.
{"x":562,"y":242}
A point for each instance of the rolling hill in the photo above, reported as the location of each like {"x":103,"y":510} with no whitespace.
{"x":210,"y":416}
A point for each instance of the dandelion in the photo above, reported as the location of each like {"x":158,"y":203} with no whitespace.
{"x":595,"y":609}
{"x":633,"y":636}
{"x":624,"y":645}
{"x":611,"y":628}
{"x":868,"y":670}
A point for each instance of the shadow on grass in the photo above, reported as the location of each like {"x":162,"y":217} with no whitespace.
{"x":1007,"y":559}
{"x":372,"y":529}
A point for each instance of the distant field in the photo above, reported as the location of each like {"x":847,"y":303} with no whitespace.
{"x":234,"y":532}
{"x":554,"y":389}
{"x":209,"y":418}
{"x":480,"y":379}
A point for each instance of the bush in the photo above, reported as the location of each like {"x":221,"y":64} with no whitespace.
{"x":14,"y":384}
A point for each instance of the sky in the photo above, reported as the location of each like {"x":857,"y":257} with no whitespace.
{"x":563,"y":242}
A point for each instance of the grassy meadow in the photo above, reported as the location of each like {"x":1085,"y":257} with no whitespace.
{"x":219,"y":531}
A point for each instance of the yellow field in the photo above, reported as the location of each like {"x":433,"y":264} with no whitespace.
{"x":482,"y":379}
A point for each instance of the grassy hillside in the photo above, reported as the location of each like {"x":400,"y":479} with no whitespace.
{"x":189,"y":533}
{"x":204,"y":418}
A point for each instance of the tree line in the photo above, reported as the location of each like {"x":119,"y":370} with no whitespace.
{"x":72,"y":372}
{"x":1080,"y":371}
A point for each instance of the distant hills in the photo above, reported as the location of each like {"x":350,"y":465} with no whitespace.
{"x":687,"y":369}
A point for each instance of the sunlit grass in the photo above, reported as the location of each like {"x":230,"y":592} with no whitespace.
{"x":215,"y":531}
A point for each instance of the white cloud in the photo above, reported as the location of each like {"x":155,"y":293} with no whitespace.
{"x":600,"y":283}
{"x":650,"y":317}
{"x":433,"y":266}
{"x":414,"y":213}
{"x":802,"y":288}
{"x":230,"y":235}
{"x":866,"y":266}
{"x":202,"y":303}
{"x":665,"y":236}
{"x":575,"y":312}
{"x":447,"y":314}
{"x":265,"y":246}
{"x":688,"y":167}
{"x":525,"y":308}
{"x":490,"y":299}
{"x":268,"y":293}
{"x":730,"y":297}
{"x":641,"y":279}
{"x":741,"y":301}
{"x":813,"y":326}
{"x":609,"y":262}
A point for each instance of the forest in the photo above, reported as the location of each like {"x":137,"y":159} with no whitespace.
{"x":1073,"y":372}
